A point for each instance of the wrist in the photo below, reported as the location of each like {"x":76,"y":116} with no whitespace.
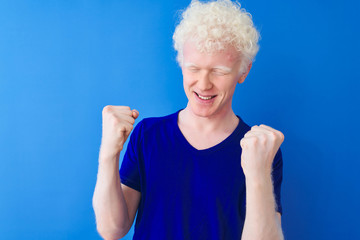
{"x":258,"y":180}
{"x":108,"y":156}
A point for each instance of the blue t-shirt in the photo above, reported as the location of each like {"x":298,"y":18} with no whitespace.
{"x":188,"y":193}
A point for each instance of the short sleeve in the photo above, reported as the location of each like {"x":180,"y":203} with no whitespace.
{"x":130,"y":166}
{"x":277,"y":176}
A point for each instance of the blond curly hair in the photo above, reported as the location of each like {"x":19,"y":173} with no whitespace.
{"x":215,"y":25}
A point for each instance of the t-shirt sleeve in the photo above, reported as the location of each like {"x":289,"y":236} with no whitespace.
{"x":277,"y":176}
{"x":130,"y":166}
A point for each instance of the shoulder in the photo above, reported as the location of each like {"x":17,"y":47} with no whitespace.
{"x":243,"y":127}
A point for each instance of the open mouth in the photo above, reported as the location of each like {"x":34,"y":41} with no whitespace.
{"x":205,"y":97}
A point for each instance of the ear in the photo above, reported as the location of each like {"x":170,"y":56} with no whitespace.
{"x":244,"y":75}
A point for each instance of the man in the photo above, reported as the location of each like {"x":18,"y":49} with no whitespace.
{"x":202,"y":172}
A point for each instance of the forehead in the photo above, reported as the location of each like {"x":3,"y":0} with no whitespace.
{"x":227,"y":57}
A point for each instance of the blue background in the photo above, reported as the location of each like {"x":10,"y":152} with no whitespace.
{"x":61,"y":62}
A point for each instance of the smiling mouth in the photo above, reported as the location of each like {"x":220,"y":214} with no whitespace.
{"x":205,"y":97}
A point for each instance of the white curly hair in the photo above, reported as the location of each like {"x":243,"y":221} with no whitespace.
{"x":215,"y":25}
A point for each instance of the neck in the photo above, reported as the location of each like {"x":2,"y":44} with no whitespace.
{"x":224,"y":121}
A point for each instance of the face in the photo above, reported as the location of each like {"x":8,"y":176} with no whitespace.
{"x":210,"y":80}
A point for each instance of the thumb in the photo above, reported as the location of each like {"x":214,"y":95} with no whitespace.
{"x":242,"y":143}
{"x":135,"y":113}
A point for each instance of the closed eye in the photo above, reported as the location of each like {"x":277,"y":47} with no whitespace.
{"x":192,"y":69}
{"x":219,"y":73}
{"x":221,"y":70}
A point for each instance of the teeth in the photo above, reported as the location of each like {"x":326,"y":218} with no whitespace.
{"x":204,"y":98}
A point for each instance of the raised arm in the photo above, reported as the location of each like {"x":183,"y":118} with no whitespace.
{"x":115,"y":204}
{"x":259,"y":147}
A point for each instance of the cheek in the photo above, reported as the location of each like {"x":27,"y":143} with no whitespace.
{"x":226,"y":85}
{"x":187,"y":80}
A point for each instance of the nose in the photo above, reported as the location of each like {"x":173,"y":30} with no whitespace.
{"x":204,"y":81}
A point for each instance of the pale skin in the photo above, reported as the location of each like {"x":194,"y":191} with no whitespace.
{"x":204,"y":123}
{"x":115,"y":204}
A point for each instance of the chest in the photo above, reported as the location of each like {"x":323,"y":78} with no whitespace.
{"x":212,"y":172}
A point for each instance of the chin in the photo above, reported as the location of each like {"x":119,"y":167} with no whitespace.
{"x":202,"y":112}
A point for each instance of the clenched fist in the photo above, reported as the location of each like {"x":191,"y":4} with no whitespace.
{"x":259,"y":147}
{"x":117,"y":125}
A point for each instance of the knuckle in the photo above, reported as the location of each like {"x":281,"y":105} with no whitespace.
{"x":282,"y":136}
{"x":121,"y":129}
{"x":107,"y":109}
{"x":273,"y":135}
{"x":132,"y":120}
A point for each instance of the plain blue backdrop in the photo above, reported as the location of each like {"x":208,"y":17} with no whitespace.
{"x":61,"y":62}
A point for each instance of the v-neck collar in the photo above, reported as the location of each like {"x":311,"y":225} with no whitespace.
{"x":209,"y":150}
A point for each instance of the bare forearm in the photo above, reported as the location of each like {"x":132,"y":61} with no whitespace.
{"x":109,"y":204}
{"x":261,"y":221}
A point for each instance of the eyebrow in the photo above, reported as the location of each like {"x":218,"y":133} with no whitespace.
{"x":189,"y":64}
{"x":223,"y":68}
